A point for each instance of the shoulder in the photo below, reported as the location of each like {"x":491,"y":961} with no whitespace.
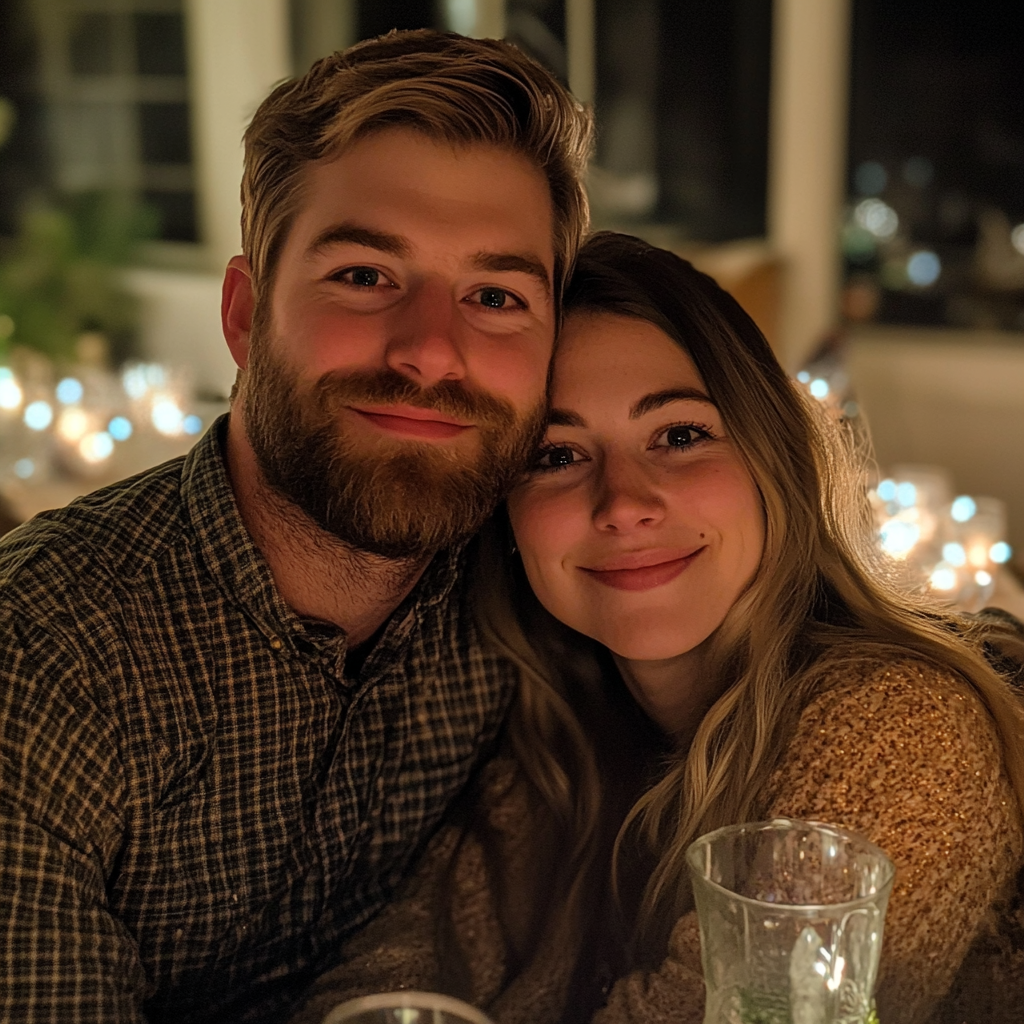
{"x":905,"y":753}
{"x":905,"y":706}
{"x":109,"y":534}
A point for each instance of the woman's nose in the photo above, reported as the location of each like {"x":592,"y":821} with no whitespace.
{"x":626,"y":498}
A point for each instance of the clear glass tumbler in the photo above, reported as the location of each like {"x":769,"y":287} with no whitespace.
{"x":406,"y":1007}
{"x":791,"y":915}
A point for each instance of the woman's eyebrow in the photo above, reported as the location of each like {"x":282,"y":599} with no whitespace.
{"x":565,"y":418}
{"x":657,"y":399}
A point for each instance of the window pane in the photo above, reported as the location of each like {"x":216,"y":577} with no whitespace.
{"x":379,"y":16}
{"x":91,"y":44}
{"x":164,"y":133}
{"x":935,"y":225}
{"x":682,"y":115}
{"x":160,"y":44}
{"x":177,"y":212}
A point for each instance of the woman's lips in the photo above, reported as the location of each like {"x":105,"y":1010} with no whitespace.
{"x":411,"y":421}
{"x":645,"y":574}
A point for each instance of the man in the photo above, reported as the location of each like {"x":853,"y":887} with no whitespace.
{"x":237,"y":692}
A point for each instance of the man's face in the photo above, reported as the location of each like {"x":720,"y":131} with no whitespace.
{"x":393,"y":389}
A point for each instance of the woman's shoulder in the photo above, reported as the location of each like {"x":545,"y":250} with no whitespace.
{"x":880,"y":728}
{"x":900,"y":699}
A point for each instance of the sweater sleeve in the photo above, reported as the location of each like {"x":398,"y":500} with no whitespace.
{"x":909,"y":758}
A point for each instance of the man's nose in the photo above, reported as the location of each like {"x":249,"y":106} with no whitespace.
{"x":626,"y":498}
{"x":422,"y":342}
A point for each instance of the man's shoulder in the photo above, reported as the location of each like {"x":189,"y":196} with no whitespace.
{"x":111,"y":533}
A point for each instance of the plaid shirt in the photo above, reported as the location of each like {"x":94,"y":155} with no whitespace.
{"x":198,"y":802}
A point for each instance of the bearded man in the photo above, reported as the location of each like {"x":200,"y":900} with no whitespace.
{"x":237,"y":692}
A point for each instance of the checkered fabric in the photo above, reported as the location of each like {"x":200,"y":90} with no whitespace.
{"x":197,"y":802}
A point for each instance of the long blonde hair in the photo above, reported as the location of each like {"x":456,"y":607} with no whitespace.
{"x":821,"y":596}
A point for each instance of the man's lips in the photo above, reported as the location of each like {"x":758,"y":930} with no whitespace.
{"x":411,"y":421}
{"x":643,"y":570}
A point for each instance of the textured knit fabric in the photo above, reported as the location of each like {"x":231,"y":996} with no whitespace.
{"x":902,"y":754}
{"x":198,"y":801}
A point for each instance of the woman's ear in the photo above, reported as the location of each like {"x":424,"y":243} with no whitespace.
{"x":236,"y":306}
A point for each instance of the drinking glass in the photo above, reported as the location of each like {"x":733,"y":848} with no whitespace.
{"x":791,"y":916}
{"x":406,"y":1007}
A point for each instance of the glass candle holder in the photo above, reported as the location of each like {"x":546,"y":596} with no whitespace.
{"x":406,"y":1007}
{"x":791,"y":915}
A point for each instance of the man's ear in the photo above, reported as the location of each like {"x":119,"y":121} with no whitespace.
{"x":236,"y":304}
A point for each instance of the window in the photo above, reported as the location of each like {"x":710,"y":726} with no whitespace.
{"x":110,"y":97}
{"x":935,"y":225}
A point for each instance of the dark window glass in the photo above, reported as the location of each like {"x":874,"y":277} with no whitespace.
{"x":379,"y":16}
{"x":935,"y":224}
{"x":164,"y":133}
{"x":160,"y":44}
{"x":91,"y":44}
{"x":682,"y":115}
{"x":537,"y":27}
{"x":177,"y":214}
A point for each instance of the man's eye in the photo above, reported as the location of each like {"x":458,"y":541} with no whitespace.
{"x":497,"y":298}
{"x":362,"y":277}
{"x":556,"y":458}
{"x":682,"y":436}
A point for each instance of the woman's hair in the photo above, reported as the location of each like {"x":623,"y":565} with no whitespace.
{"x":453,"y":89}
{"x":822,"y":596}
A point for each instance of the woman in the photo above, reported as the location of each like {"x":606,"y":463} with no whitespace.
{"x":704,"y":636}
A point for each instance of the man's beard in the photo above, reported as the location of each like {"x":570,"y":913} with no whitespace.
{"x":398,"y":499}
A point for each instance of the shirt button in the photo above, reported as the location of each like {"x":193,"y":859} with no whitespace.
{"x":276,"y":642}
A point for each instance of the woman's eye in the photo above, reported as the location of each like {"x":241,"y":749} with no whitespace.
{"x":497,"y":298}
{"x":556,"y":458}
{"x":681,"y":436}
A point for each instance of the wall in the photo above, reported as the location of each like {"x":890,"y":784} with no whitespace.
{"x":952,"y":398}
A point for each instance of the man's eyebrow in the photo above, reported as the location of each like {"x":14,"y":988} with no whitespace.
{"x":565,"y":418}
{"x":353,"y":234}
{"x":521,"y":262}
{"x":657,"y":399}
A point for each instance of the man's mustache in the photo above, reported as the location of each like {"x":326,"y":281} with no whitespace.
{"x":389,"y":387}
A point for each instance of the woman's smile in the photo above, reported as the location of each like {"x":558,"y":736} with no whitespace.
{"x":642,"y":570}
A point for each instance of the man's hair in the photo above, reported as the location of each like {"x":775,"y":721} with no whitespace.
{"x":451,"y":88}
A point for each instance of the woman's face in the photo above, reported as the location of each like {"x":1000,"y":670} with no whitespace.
{"x":640,"y":525}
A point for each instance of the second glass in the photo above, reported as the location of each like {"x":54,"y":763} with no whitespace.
{"x":791,"y":915}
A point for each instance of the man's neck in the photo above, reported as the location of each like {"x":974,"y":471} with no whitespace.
{"x":317,"y":575}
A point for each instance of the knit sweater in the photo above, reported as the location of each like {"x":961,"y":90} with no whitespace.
{"x":903,"y":754}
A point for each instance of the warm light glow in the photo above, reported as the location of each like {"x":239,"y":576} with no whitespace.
{"x":72,"y":425}
{"x":96,"y":447}
{"x":167,"y":417}
{"x":982,"y":578}
{"x":944,"y":577}
{"x":10,"y":390}
{"x":899,"y":537}
{"x":977,"y":555}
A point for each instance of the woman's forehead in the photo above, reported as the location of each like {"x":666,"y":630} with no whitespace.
{"x":600,"y":354}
